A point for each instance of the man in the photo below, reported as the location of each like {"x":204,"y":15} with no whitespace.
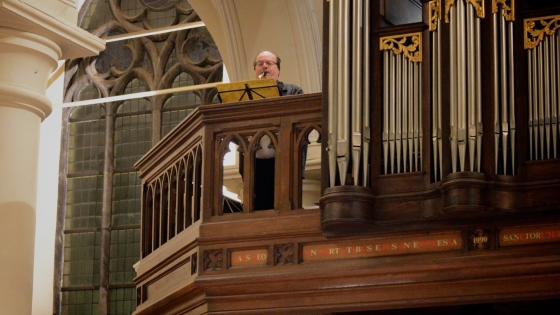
{"x":267,"y":65}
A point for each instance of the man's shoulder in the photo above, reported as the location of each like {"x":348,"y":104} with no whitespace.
{"x":289,"y":89}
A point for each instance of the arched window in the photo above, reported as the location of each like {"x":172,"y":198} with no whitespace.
{"x":100,"y":238}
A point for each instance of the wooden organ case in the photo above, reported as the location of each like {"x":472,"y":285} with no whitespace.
{"x":436,"y":174}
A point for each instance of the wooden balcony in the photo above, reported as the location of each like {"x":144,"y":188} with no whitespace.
{"x":184,"y":178}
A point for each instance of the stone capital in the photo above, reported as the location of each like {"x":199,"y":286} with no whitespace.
{"x":54,"y":20}
{"x":34,"y":36}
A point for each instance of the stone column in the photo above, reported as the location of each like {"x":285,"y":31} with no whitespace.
{"x":25,"y":63}
{"x":32,"y":41}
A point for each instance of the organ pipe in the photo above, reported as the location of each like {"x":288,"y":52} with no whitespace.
{"x":348,"y":96}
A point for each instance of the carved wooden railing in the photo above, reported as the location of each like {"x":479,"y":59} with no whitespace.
{"x":287,"y":123}
{"x":183,"y":175}
{"x":171,"y":187}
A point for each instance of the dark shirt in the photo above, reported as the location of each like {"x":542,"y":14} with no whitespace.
{"x":288,"y":89}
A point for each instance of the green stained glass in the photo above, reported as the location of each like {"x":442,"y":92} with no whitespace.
{"x":86,"y":142}
{"x":122,"y":301}
{"x":179,"y":105}
{"x":126,"y":199}
{"x":125,"y":252}
{"x":82,"y":302}
{"x":84,"y":197}
{"x":81,"y":259}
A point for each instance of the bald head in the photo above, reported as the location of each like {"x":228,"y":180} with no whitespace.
{"x":267,"y":64}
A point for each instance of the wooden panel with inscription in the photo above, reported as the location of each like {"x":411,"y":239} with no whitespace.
{"x":388,"y":246}
{"x":357,"y":273}
{"x":529,"y":235}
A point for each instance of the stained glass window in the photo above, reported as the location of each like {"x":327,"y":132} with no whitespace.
{"x":103,"y":142}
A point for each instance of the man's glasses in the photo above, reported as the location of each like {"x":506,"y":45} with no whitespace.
{"x":268,"y":63}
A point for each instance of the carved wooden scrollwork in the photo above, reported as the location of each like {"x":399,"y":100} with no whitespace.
{"x":536,"y":29}
{"x":434,"y":14}
{"x":448,"y":4}
{"x":478,"y":7}
{"x":477,"y":4}
{"x":508,"y":8}
{"x":408,"y":44}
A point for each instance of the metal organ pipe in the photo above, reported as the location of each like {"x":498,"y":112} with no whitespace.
{"x":366,"y":91}
{"x":471,"y":91}
{"x":386,"y":56}
{"x":535,"y":102}
{"x":478,"y":93}
{"x":402,"y":130}
{"x":342,"y":143}
{"x":545,"y":89}
{"x":543,"y":54}
{"x":461,"y":85}
{"x":398,"y":113}
{"x":392,"y":104}
{"x":496,"y":94}
{"x":356,"y":89}
{"x":439,"y":105}
{"x":503,"y":94}
{"x":554,"y":94}
{"x":465,"y":87}
{"x":511,"y":98}
{"x":540,"y":99}
{"x":556,"y":88}
{"x":435,"y":17}
{"x":406,"y":108}
{"x":348,"y":95}
{"x":453,"y":88}
{"x":332,"y":93}
{"x":418,"y":118}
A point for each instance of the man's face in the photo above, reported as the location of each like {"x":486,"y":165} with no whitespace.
{"x":266,"y":61}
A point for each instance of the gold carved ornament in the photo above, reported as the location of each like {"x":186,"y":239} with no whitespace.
{"x":408,"y":44}
{"x":508,"y":10}
{"x":548,"y":26}
{"x":448,"y":4}
{"x":435,"y":14}
{"x":477,"y":4}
